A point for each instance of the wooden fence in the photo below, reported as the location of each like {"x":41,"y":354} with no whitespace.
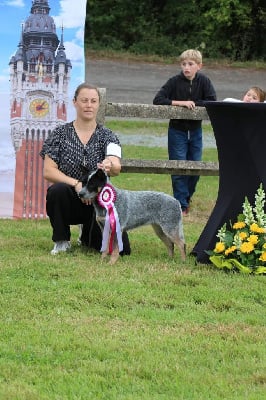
{"x":173,"y":167}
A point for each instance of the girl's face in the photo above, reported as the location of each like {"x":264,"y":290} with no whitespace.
{"x":190,"y":68}
{"x":251,"y":97}
{"x":87,"y":104}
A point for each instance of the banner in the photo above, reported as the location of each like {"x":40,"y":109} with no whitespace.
{"x":42,"y":62}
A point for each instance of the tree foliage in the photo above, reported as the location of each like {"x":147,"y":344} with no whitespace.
{"x":233,"y":29}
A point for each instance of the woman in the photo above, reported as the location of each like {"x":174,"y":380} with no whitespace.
{"x":66,"y":152}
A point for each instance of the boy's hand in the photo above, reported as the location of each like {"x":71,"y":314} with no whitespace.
{"x":184,"y":103}
{"x":189,"y":104}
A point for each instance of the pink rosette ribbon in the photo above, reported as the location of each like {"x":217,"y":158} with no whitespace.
{"x":106,"y":199}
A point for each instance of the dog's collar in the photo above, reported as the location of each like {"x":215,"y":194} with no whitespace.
{"x":107,"y":196}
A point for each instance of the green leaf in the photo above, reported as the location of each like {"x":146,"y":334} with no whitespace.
{"x":260,"y":270}
{"x":219,"y":262}
{"x":240,"y":267}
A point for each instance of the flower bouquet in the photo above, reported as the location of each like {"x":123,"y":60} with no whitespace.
{"x":243,"y":247}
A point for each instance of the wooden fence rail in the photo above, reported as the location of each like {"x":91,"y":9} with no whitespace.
{"x":149,"y":111}
{"x":131,"y":110}
{"x":171,"y":167}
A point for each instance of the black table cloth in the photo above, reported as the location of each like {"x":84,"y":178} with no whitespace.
{"x":240,"y":133}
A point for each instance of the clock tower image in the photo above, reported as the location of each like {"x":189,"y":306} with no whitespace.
{"x":39,"y":79}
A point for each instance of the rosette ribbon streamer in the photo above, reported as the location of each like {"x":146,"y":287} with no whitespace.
{"x":106,"y":199}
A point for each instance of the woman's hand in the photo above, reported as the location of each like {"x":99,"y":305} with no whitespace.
{"x":111,"y":165}
{"x":78,"y":187}
{"x":106,"y":165}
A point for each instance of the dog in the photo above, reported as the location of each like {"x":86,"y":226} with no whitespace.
{"x":135,"y":209}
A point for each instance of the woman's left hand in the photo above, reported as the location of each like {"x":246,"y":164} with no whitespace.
{"x":106,"y":165}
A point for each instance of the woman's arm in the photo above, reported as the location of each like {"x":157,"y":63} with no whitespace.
{"x":52,"y":174}
{"x":111,"y":165}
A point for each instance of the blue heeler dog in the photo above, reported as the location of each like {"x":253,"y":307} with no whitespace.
{"x":137,"y":208}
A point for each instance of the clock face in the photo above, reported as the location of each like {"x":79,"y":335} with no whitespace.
{"x":39,"y":107}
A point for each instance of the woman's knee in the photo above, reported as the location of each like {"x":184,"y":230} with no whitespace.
{"x":57,"y":190}
{"x":59,"y":198}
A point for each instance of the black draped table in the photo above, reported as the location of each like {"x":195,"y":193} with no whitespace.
{"x":240,"y":133}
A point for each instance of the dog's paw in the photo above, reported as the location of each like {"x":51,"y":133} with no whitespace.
{"x":113,"y":258}
{"x":104,"y":255}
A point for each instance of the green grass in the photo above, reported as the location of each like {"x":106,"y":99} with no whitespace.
{"x":147,"y":328}
{"x":155,"y":127}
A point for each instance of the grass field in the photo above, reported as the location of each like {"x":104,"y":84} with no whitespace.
{"x":147,"y":328}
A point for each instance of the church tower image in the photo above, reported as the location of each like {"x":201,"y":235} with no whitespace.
{"x":39,"y":81}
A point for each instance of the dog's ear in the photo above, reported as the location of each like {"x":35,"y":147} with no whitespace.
{"x":84,"y":174}
{"x":102,"y":177}
{"x":84,"y":170}
{"x":97,"y":179}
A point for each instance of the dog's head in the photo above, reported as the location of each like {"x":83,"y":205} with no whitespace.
{"x":93,"y":185}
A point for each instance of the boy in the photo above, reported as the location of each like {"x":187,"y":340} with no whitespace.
{"x":187,"y":89}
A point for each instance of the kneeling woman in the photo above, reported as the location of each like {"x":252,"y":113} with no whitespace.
{"x":66,"y":152}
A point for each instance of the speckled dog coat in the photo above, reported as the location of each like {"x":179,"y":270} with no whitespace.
{"x":137,"y":208}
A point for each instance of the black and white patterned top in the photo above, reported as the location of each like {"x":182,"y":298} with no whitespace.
{"x":64,"y":147}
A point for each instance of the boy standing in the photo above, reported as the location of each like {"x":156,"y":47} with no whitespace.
{"x":187,"y":89}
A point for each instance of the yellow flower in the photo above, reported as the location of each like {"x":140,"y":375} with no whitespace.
{"x":253,"y":239}
{"x":242,"y":235}
{"x":263,"y":256}
{"x":219,"y":247}
{"x":230,"y":250}
{"x":256,"y":228}
{"x":246,"y":247}
{"x":243,"y":247}
{"x":239,"y":225}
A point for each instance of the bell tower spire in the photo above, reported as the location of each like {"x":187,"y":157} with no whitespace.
{"x":39,"y":77}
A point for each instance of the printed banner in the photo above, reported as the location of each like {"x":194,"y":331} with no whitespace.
{"x":42,"y":62}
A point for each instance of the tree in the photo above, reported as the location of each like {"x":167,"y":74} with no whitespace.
{"x":234,"y":29}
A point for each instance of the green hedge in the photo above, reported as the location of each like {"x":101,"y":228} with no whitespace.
{"x":233,"y":29}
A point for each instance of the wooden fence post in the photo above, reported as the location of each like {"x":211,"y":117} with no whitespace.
{"x":102,"y":109}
